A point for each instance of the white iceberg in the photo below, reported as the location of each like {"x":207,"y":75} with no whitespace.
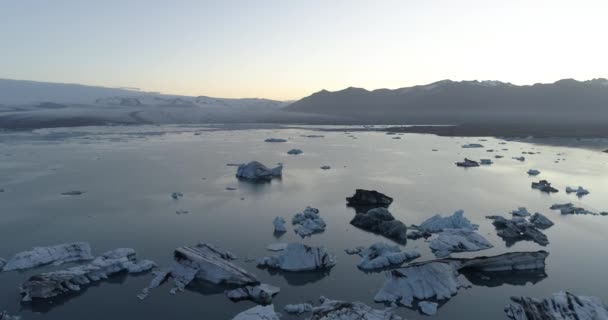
{"x":298,"y":308}
{"x":382,"y":255}
{"x":560,"y":306}
{"x":308,"y":222}
{"x":455,"y":240}
{"x":300,"y":257}
{"x":56,"y":255}
{"x":203,"y":262}
{"x":261,"y":294}
{"x":52,"y":284}
{"x":428,"y":308}
{"x":279,"y":225}
{"x":438,"y":279}
{"x":342,"y":310}
{"x":439,"y":223}
{"x":258,"y":313}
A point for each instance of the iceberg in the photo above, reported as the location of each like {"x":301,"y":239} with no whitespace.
{"x":299,"y":257}
{"x":255,"y":171}
{"x":56,"y":255}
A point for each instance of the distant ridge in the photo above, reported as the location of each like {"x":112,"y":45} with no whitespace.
{"x":457,"y":102}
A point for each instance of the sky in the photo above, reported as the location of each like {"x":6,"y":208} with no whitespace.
{"x":288,"y":49}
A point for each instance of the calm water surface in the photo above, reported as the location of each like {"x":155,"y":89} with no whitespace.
{"x":129,"y":174}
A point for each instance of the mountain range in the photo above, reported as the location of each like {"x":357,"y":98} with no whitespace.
{"x":540,"y":108}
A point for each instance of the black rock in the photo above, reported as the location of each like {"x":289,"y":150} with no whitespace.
{"x":369,"y":198}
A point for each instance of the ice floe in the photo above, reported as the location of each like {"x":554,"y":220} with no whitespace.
{"x":203,"y":262}
{"x":580,"y":191}
{"x":295,"y":151}
{"x":177,"y":195}
{"x":438,"y":279}
{"x":381,"y":255}
{"x":342,"y":310}
{"x":55,"y":283}
{"x":544,"y":186}
{"x":519,"y":228}
{"x":308,"y":222}
{"x":562,"y":305}
{"x":56,"y":255}
{"x":298,"y":308}
{"x":521,"y":212}
{"x":279,"y":225}
{"x":261,"y":294}
{"x":299,"y":257}
{"x":256,"y":171}
{"x":428,"y":308}
{"x":275,"y":140}
{"x":438,"y":223}
{"x":258,"y":313}
{"x":533,"y":172}
{"x":569,"y":208}
{"x":457,"y":240}
{"x":381,"y":221}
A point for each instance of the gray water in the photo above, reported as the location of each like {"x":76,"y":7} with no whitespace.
{"x":129,"y":173}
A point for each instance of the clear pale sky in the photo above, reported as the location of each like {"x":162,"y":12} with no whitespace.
{"x":287,"y":49}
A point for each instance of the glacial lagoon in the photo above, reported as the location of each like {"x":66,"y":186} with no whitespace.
{"x":127,"y":176}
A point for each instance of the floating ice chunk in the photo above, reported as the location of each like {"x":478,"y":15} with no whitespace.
{"x":522,"y":159}
{"x":540,"y":221}
{"x":520,"y":212}
{"x":560,"y":306}
{"x":256,"y":171}
{"x":261,"y":294}
{"x":325,"y":167}
{"x":518,"y":229}
{"x":279,"y":225}
{"x":258,"y":313}
{"x":486,"y":162}
{"x":2,"y":263}
{"x":295,"y":151}
{"x":39,"y":256}
{"x":467,"y":163}
{"x":275,"y":140}
{"x":438,"y":279}
{"x":342,"y":310}
{"x":569,"y":208}
{"x":381,"y":221}
{"x":472,"y":145}
{"x":298,"y":308}
{"x":204,"y":262}
{"x":177,"y":195}
{"x":454,"y":240}
{"x":308,"y":222}
{"x":300,"y":257}
{"x":533,"y":172}
{"x":369,"y":198}
{"x":544,"y":186}
{"x":438,"y":223}
{"x":580,"y":191}
{"x":382,"y":255}
{"x":428,"y":308}
{"x":51,"y":284}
